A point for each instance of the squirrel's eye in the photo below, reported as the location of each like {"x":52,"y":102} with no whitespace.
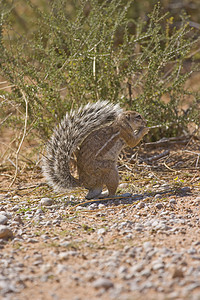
{"x":138,"y":117}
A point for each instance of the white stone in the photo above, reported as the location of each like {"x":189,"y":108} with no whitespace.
{"x":3,"y":219}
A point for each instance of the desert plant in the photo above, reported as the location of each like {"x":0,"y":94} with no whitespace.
{"x":94,"y":53}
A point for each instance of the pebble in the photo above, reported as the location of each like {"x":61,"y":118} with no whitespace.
{"x":3,"y":219}
{"x":172,"y":201}
{"x":178,"y":273}
{"x":101,"y":206}
{"x":60,"y":268}
{"x":80,"y":208}
{"x":147,"y":246}
{"x":186,"y":189}
{"x":66,"y":255}
{"x":5,"y":232}
{"x":102,"y":283}
{"x":101,"y":231}
{"x":197,"y":200}
{"x":65,"y":244}
{"x":137,"y":268}
{"x":46,"y":202}
{"x":46,"y":268}
{"x":159,"y":205}
{"x":39,"y":211}
{"x":158,"y":266}
{"x":140,"y":205}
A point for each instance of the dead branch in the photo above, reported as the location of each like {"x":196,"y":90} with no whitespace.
{"x":158,"y":156}
{"x":22,"y":140}
{"x":7,"y":87}
{"x":195,"y":153}
{"x":169,"y":167}
{"x":3,"y":121}
{"x":166,"y":142}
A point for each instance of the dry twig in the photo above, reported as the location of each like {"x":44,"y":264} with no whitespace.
{"x":182,"y":140}
{"x":22,"y":140}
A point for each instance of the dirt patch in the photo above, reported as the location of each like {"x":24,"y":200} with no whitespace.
{"x":143,"y":245}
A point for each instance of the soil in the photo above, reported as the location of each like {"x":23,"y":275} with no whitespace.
{"x":144,"y":245}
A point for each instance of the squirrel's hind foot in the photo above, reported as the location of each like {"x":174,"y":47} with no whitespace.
{"x":94,"y":193}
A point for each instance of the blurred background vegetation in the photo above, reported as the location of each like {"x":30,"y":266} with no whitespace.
{"x":57,"y":55}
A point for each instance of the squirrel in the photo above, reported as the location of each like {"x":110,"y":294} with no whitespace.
{"x":95,"y":134}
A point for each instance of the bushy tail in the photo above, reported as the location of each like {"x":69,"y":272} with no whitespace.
{"x":68,"y":135}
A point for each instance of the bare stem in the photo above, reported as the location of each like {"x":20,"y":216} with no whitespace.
{"x":22,"y":140}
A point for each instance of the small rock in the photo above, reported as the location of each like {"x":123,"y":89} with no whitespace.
{"x":101,"y":206}
{"x":173,"y":295}
{"x":60,"y":268}
{"x":159,"y":205}
{"x":123,"y":185}
{"x":197,"y":243}
{"x":197,"y":200}
{"x":147,"y":246}
{"x":46,"y":268}
{"x":48,"y":223}
{"x":102,"y":283}
{"x":146,"y":273}
{"x":139,"y":227}
{"x":186,"y":190}
{"x":79,"y":208}
{"x":3,"y":219}
{"x":18,"y":219}
{"x":122,"y":269}
{"x":44,"y":278}
{"x":6,"y":287}
{"x":101,"y":231}
{"x":134,"y":286}
{"x":65,"y":244}
{"x":5,"y":232}
{"x":32,"y":241}
{"x":195,"y":257}
{"x":15,"y":208}
{"x":193,"y":286}
{"x":178,"y":273}
{"x":129,"y":236}
{"x":172,"y":201}
{"x":66,"y":255}
{"x":140,"y":205}
{"x":137,"y":268}
{"x":46,"y":202}
{"x":158,"y":266}
{"x":93,"y":206}
{"x":39,"y":211}
{"x":192,"y":251}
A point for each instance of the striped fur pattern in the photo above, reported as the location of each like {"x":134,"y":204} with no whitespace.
{"x":68,"y":135}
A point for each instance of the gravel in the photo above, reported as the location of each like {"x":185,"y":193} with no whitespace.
{"x":149,"y":249}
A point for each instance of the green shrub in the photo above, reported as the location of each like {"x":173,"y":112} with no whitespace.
{"x":97,"y":52}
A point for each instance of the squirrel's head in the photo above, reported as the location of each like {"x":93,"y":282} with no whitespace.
{"x":132,"y":119}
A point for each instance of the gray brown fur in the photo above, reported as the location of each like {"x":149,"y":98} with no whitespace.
{"x":96,"y":134}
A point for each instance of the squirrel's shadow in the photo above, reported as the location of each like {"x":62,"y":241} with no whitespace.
{"x":129,"y":198}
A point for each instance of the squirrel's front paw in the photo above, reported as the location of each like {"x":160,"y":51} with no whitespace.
{"x":144,"y":130}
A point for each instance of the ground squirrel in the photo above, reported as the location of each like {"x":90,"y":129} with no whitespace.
{"x":95,"y":134}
